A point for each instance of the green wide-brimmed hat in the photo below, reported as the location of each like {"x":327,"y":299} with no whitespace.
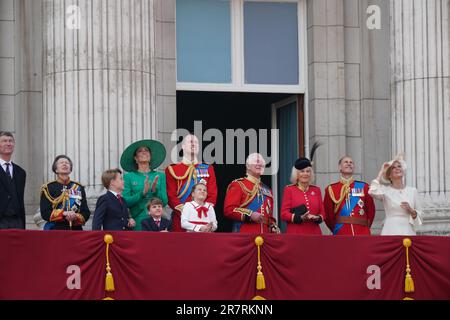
{"x":158,"y":153}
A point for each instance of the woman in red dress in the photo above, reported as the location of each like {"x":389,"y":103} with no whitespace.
{"x":302,"y":206}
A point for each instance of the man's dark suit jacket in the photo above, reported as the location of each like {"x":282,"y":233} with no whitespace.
{"x":150,"y":225}
{"x":110,"y":213}
{"x":12,"y":207}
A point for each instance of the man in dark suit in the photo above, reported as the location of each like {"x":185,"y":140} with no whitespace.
{"x":156,"y":222}
{"x":12,"y":186}
{"x":111,"y":211}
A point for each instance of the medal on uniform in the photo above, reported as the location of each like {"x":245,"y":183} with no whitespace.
{"x":313,"y":193}
{"x":202,"y":173}
{"x":356,"y":192}
{"x":360,"y":203}
{"x":361,"y":212}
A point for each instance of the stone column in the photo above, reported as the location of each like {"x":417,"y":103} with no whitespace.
{"x":348,"y":91}
{"x":166,"y":79}
{"x":21,"y":90}
{"x":420,"y":100}
{"x":326,"y":87}
{"x":99,"y":83}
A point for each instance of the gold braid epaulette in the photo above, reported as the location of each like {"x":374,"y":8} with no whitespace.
{"x":53,"y":201}
{"x":187,"y":174}
{"x":345,"y":190}
{"x":172,"y":173}
{"x":77,"y":183}
{"x":247,"y":190}
{"x":62,"y":197}
{"x":236,"y":180}
{"x":250,"y":193}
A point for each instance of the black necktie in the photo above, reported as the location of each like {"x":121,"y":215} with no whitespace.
{"x":8,"y":173}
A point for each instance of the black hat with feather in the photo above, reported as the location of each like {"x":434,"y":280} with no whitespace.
{"x":303,"y":163}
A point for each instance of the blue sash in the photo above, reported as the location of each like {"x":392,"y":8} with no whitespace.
{"x":49,"y":225}
{"x":74,"y":201}
{"x":202,"y":171}
{"x":254,"y":205}
{"x":346,"y":210}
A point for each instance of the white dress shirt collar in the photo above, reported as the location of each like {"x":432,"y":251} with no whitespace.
{"x":113,"y":192}
{"x":2,"y":163}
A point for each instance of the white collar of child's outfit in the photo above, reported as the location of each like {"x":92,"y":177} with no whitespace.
{"x":197,"y":205}
{"x":157,"y":219}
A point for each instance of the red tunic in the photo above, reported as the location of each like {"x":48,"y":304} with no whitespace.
{"x":238,"y":205}
{"x":312,"y":198}
{"x":364,"y":210}
{"x":177,"y":177}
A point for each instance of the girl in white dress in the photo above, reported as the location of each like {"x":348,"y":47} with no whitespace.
{"x":401,"y":203}
{"x":198,"y":215}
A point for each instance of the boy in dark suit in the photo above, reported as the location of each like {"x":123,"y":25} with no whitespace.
{"x":111,"y":211}
{"x":156,"y":222}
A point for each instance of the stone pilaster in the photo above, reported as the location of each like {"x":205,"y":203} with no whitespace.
{"x":326,"y":85}
{"x":99,"y":82}
{"x":165,"y":54}
{"x":21,"y":90}
{"x":348,"y":90}
{"x":420,"y":100}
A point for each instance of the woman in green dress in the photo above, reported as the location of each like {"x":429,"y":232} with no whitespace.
{"x":142,"y":183}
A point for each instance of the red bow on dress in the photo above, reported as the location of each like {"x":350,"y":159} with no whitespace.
{"x":201,"y":210}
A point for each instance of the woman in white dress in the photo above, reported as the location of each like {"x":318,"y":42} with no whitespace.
{"x":401,"y":203}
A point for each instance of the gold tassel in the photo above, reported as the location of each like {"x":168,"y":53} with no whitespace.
{"x":109,"y":284}
{"x":409,"y":283}
{"x":109,"y":281}
{"x":260,"y":281}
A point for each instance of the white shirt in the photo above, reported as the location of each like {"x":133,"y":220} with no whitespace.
{"x":189,"y":216}
{"x":156,"y":220}
{"x":3,"y":162}
{"x":113,"y":192}
{"x":398,"y":221}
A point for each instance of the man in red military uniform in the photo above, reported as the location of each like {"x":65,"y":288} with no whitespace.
{"x":349,"y":208}
{"x":249,"y":202}
{"x":181,"y":177}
